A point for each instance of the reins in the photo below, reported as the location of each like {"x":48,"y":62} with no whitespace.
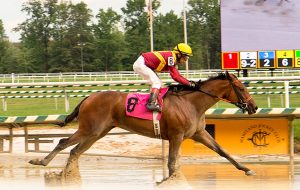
{"x":243,"y":104}
{"x":214,"y":96}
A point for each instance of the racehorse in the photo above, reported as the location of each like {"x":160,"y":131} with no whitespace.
{"x":182,"y":118}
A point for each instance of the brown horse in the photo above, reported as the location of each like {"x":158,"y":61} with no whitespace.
{"x":182,"y":118}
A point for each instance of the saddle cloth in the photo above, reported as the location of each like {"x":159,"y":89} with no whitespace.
{"x":136,"y":105}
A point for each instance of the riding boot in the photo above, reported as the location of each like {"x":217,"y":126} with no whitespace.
{"x":152,"y":102}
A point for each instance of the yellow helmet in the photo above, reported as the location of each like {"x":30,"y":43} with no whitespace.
{"x":183,"y":49}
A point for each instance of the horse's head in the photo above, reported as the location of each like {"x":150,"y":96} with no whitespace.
{"x":239,"y":95}
{"x":228,"y":88}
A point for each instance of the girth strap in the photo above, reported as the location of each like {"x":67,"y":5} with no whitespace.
{"x":156,"y":125}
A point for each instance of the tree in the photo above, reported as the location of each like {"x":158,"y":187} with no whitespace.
{"x":60,"y":50}
{"x":204,"y":32}
{"x":168,"y":31}
{"x":3,"y":47}
{"x":81,"y":38}
{"x":136,"y":29}
{"x":72,"y":45}
{"x":15,"y":60}
{"x":57,"y":36}
{"x":61,"y":37}
{"x":36,"y":31}
{"x":110,"y":44}
{"x":10,"y":58}
{"x":3,"y":43}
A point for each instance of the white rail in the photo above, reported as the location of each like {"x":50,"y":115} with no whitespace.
{"x":128,"y":75}
{"x":252,"y":80}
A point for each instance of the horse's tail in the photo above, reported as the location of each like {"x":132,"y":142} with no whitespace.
{"x":72,"y":115}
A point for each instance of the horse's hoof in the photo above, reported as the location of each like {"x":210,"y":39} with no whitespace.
{"x":33,"y":162}
{"x":250,"y":173}
{"x":37,"y":162}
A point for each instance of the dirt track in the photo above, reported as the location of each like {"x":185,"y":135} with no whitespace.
{"x":126,"y":173}
{"x":101,"y":172}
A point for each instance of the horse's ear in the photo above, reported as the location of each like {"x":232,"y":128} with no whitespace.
{"x":227,"y":74}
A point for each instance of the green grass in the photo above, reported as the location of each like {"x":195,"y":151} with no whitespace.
{"x":37,"y":106}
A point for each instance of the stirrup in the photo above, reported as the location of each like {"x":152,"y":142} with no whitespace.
{"x":153,"y":107}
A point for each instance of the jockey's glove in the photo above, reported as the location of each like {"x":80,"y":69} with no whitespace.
{"x":193,"y":84}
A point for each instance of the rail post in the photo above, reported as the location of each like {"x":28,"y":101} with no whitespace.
{"x":287,"y":95}
{"x":12,"y":77}
{"x":291,"y":133}
{"x":67,"y":102}
{"x":11,"y":135}
{"x":269,"y":100}
{"x":26,"y":138}
{"x":4,"y":104}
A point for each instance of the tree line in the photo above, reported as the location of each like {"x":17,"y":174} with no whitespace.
{"x":66,"y":37}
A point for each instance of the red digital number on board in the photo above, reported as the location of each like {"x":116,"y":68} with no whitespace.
{"x":230,"y":60}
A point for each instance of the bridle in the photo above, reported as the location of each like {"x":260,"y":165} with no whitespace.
{"x":241,"y":103}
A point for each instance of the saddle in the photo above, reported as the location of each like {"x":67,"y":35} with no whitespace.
{"x":136,"y":105}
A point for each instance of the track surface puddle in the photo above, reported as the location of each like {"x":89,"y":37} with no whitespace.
{"x":98,"y":173}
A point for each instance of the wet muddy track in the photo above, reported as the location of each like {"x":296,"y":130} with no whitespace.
{"x":115,"y":173}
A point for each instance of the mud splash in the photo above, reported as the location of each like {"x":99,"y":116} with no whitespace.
{"x":57,"y":179}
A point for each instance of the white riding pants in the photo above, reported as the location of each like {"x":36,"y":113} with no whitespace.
{"x":148,"y":74}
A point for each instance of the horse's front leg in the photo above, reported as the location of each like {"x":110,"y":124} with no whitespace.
{"x":205,"y":138}
{"x":174,"y":145}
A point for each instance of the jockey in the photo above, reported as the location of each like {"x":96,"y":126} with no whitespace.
{"x":159,"y":61}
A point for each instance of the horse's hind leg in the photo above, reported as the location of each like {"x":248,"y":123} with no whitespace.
{"x":63,"y":143}
{"x":72,"y":163}
{"x":85,"y":143}
{"x":174,"y":145}
{"x":205,"y":138}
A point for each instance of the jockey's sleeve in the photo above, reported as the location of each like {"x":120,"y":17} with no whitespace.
{"x":177,"y":76}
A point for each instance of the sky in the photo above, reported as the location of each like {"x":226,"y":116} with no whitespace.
{"x":11,"y":15}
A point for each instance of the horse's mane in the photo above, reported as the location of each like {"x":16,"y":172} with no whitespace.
{"x":181,"y":87}
{"x":221,"y":76}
